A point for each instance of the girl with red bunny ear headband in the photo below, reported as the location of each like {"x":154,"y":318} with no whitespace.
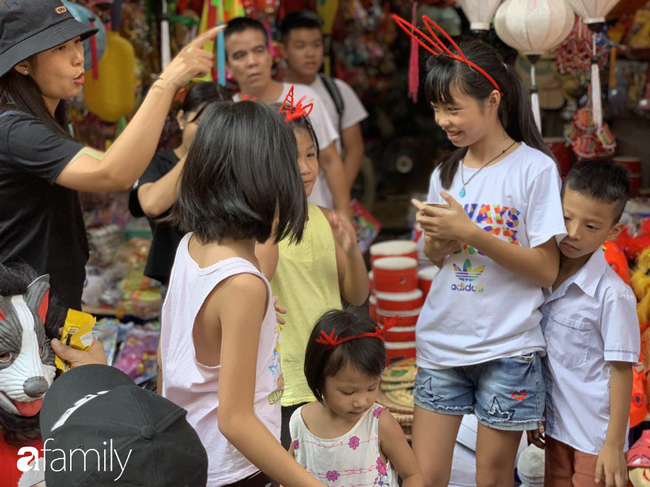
{"x":478,"y":336}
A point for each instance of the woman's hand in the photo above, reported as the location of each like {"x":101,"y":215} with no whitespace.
{"x":445,"y":224}
{"x":192,"y":62}
{"x":94,"y":355}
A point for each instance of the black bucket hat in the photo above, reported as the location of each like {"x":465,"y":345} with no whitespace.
{"x":28,"y":27}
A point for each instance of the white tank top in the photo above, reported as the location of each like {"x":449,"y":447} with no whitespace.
{"x":353,"y":459}
{"x":195,"y":386}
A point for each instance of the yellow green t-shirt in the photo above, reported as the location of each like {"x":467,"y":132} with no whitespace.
{"x":306,"y":284}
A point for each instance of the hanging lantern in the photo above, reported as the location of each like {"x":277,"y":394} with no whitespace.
{"x":533,"y":27}
{"x":593,"y":14}
{"x":592,"y":11}
{"x":479,"y":13}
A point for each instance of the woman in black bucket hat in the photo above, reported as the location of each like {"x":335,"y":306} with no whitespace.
{"x":41,"y":166}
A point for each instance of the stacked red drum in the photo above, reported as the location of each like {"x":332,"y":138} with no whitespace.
{"x":633,"y":164}
{"x":395,"y":292}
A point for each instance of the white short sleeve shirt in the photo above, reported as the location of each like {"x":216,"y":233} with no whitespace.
{"x":588,"y":321}
{"x":477,"y":310}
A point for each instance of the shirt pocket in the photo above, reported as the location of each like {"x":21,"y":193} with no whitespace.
{"x":568,"y":341}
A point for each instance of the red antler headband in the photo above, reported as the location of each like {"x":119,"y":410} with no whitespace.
{"x":293,"y":112}
{"x":333,"y":340}
{"x":437,"y":47}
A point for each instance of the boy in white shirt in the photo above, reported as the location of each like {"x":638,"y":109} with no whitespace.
{"x":592,"y":334}
{"x":302,"y":49}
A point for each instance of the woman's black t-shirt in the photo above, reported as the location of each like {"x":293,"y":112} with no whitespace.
{"x":166,"y":237}
{"x":41,"y":223}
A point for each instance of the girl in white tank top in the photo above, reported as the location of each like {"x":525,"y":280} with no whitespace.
{"x":220,"y":341}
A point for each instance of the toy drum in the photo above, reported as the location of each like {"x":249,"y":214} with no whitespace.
{"x":395,"y":274}
{"x":425,"y":278}
{"x":400,"y":334}
{"x":394,"y":248}
{"x":399,"y":351}
{"x":372,"y":307}
{"x":562,"y":152}
{"x":400,"y":301}
{"x":371,"y":278}
{"x":404,"y":318}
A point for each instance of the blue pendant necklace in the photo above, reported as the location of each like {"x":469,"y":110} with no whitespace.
{"x":462,"y":176}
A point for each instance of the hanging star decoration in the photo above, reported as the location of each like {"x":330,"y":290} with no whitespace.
{"x":437,"y":47}
{"x":298,"y":110}
{"x":333,"y":339}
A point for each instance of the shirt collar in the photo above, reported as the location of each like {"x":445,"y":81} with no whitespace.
{"x":588,"y":276}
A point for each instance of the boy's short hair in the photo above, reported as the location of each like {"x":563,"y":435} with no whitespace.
{"x":241,"y":24}
{"x":300,"y":19}
{"x":601,"y":180}
{"x":241,"y":173}
{"x":367,"y":355}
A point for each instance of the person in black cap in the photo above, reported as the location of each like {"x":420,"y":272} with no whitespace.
{"x":41,"y":166}
{"x":100,"y":429}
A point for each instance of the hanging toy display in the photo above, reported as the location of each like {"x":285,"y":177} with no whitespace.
{"x":573,"y":56}
{"x":586,"y":138}
{"x":95,"y":46}
{"x":112,"y":96}
{"x":593,"y":13}
{"x":533,"y":27}
{"x":479,"y":13}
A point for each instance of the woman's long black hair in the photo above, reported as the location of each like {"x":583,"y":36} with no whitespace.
{"x":515,"y":113}
{"x":22,"y":93}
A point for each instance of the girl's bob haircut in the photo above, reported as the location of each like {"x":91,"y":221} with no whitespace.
{"x":241,"y":176}
{"x":367,"y":355}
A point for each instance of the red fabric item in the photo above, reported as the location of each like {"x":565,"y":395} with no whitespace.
{"x":9,"y":458}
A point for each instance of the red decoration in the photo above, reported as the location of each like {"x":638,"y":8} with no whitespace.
{"x":295,"y":111}
{"x":437,"y":47}
{"x":333,"y":340}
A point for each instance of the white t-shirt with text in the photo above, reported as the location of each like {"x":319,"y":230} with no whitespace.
{"x":353,"y":113}
{"x":477,"y":310}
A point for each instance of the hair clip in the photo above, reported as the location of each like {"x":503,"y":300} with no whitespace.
{"x":333,"y":340}
{"x":437,"y":47}
{"x":248,"y":98}
{"x":293,"y":112}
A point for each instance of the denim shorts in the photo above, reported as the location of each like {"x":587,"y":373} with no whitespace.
{"x":505,"y":394}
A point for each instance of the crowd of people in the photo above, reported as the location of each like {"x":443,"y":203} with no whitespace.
{"x":264,"y":377}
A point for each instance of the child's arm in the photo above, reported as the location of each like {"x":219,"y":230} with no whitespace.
{"x":611,"y":464}
{"x":540,"y":264}
{"x":156,"y":198}
{"x":240,"y":308}
{"x":353,"y":275}
{"x":394,"y":445}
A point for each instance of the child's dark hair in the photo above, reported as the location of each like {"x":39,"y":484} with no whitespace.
{"x":240,"y":172}
{"x":515,"y":113}
{"x":300,"y":19}
{"x":601,"y":180}
{"x":367,"y":355}
{"x":200,"y":95}
{"x":241,"y":24}
{"x":302,"y":124}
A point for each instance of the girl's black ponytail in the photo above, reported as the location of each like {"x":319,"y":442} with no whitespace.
{"x":515,"y":112}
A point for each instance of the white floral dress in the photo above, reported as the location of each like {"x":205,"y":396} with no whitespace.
{"x":351,"y":460}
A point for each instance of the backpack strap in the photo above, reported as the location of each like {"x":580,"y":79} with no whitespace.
{"x":337,"y":98}
{"x":8,"y":112}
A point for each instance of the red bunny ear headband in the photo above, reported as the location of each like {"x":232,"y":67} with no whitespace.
{"x":294,"y":111}
{"x":437,"y":47}
{"x":333,"y":340}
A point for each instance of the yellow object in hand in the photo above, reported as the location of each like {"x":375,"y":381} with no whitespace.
{"x":77,"y":333}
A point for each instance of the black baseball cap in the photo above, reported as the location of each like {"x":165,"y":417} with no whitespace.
{"x":28,"y":27}
{"x":100,"y":429}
